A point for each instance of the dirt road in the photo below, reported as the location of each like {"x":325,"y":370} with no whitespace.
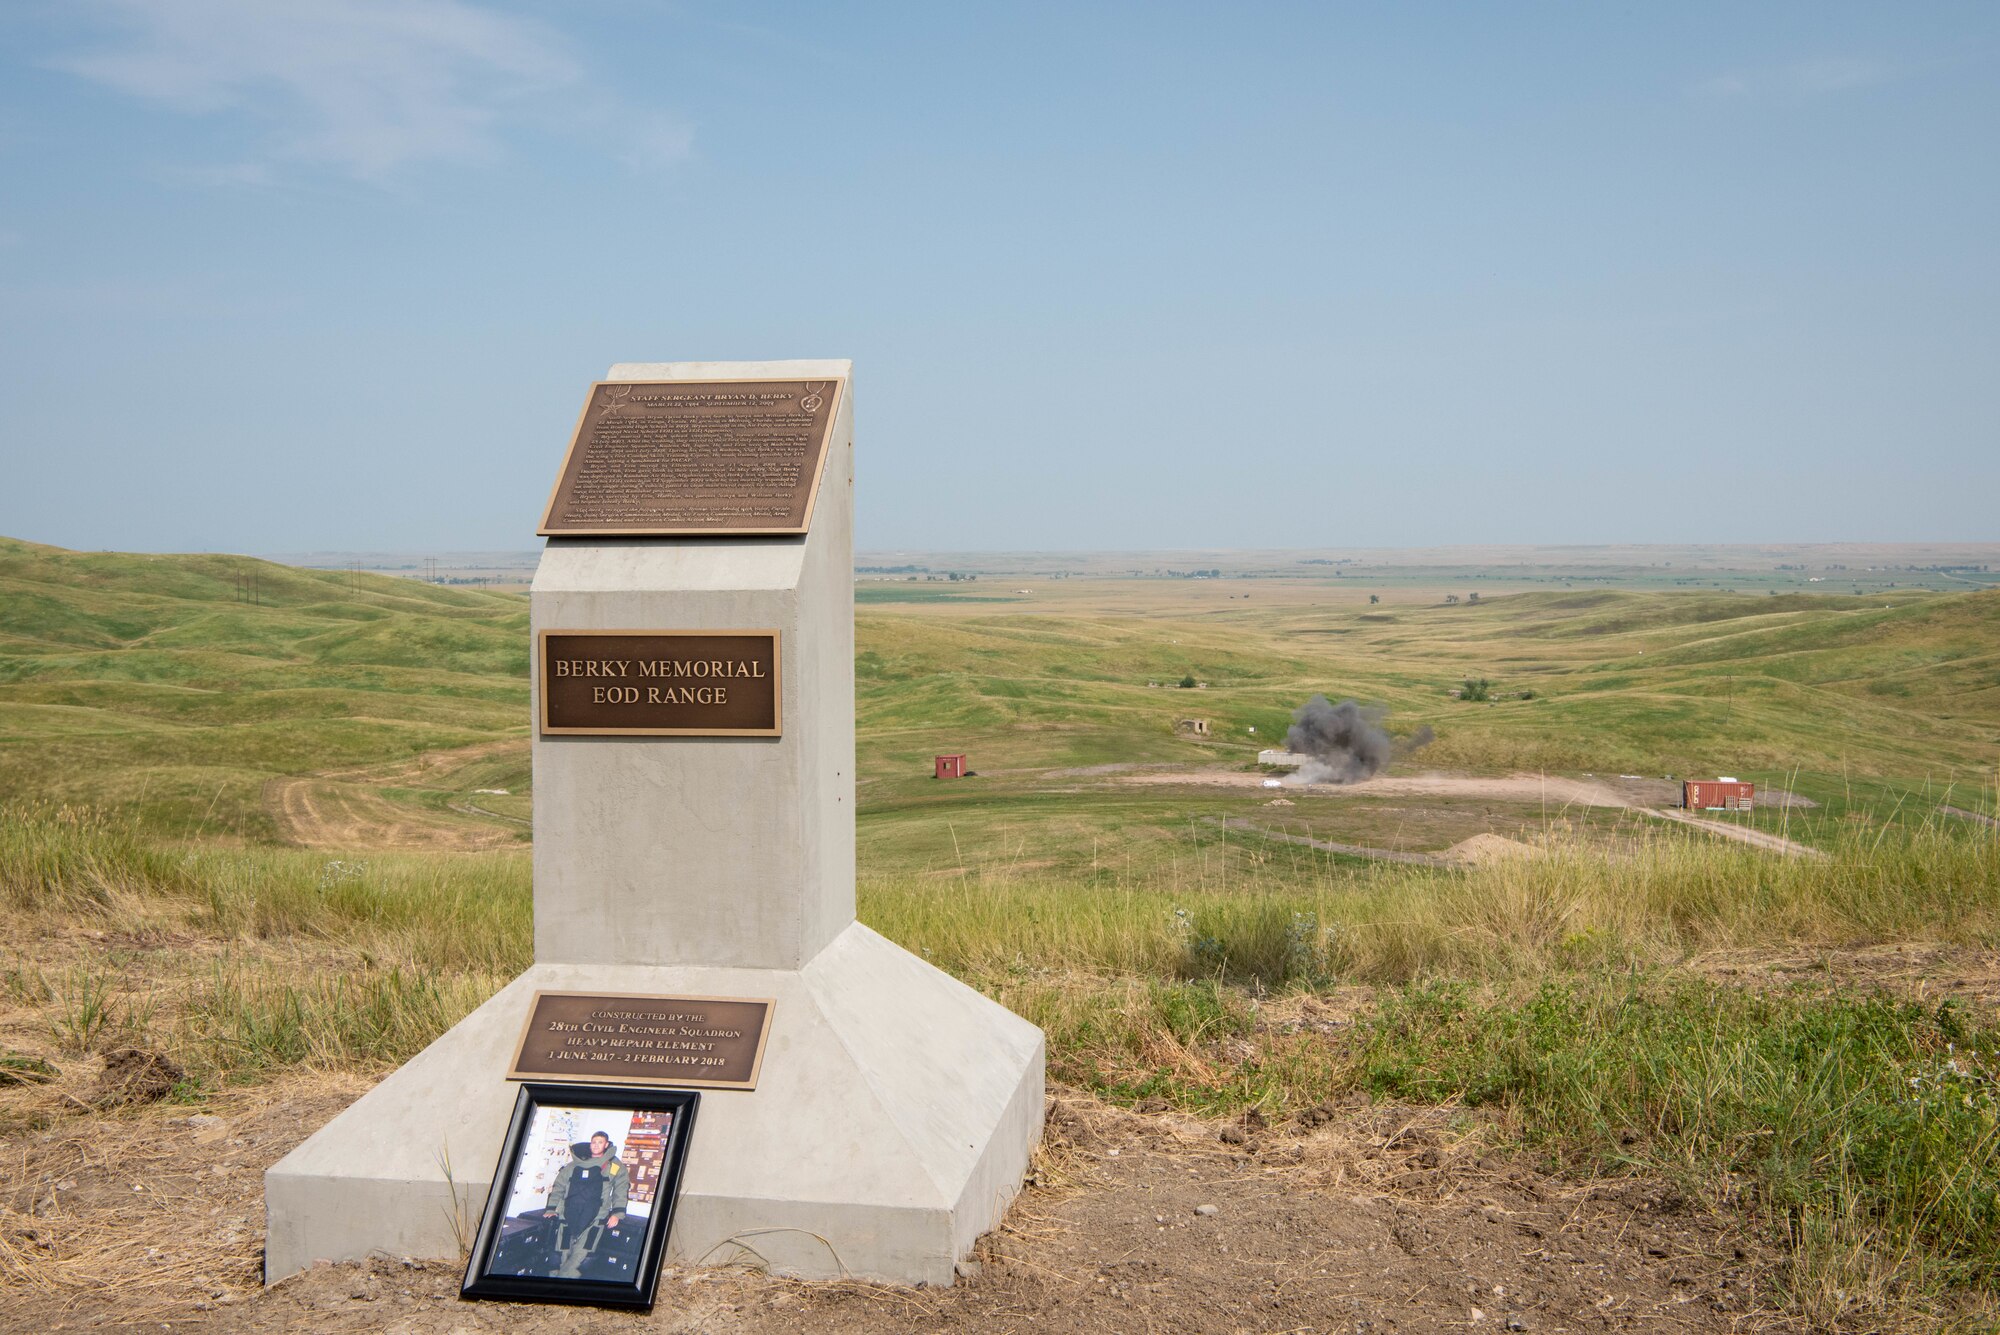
{"x":1553,"y":790}
{"x":1742,"y":834}
{"x":326,"y":813}
{"x":348,"y":808}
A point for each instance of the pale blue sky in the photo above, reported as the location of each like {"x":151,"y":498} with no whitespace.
{"x":284,"y":276}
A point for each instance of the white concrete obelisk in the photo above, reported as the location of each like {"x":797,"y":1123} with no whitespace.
{"x":896,"y":1108}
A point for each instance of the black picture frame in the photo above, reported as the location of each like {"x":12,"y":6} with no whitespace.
{"x":547,"y":1235}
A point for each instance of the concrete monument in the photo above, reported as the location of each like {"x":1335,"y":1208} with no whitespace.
{"x":702,"y":846}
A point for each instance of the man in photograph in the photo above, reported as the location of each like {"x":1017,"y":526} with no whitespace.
{"x":587,"y":1199}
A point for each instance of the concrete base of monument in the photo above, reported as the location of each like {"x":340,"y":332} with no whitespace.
{"x":891,"y":1126}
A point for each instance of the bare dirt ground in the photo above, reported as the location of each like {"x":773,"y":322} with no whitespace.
{"x":1917,"y":971}
{"x":346,"y":809}
{"x":1554,"y":792}
{"x":1353,"y":1218}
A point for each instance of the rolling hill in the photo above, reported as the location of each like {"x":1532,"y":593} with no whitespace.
{"x":208,"y":695}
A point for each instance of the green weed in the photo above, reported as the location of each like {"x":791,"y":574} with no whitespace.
{"x":17,"y":1069}
{"x":85,"y":1006}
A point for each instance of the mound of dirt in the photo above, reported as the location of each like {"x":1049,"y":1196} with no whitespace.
{"x":1490,"y":848}
{"x":136,"y":1075}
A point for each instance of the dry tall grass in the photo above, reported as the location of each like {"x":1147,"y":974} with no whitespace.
{"x":1575,"y":906}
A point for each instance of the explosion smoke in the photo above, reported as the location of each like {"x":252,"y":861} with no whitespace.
{"x":1344,"y":743}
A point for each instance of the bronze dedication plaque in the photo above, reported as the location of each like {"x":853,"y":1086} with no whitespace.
{"x":609,"y":1039}
{"x":694,"y":457}
{"x":660,"y":683}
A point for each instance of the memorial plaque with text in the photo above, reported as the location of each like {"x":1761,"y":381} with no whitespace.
{"x":660,"y":683}
{"x":713,"y":1042}
{"x":694,"y":457}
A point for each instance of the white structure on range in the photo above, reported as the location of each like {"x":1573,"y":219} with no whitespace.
{"x":896,"y":1108}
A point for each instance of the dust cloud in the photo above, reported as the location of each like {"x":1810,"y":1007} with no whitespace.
{"x":1345,"y":743}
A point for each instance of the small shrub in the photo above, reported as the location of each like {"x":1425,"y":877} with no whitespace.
{"x":1262,"y":943}
{"x":85,"y":1008}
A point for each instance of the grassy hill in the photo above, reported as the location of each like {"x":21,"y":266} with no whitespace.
{"x":1879,"y":707}
{"x":155,"y":687}
{"x":196,"y":693}
{"x":1653,"y":682}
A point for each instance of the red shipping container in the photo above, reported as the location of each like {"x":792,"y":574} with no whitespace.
{"x":1718,"y":795}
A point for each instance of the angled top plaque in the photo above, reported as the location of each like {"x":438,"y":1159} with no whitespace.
{"x":692,"y":458}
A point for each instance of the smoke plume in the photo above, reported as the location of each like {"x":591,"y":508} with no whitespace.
{"x":1344,"y":743}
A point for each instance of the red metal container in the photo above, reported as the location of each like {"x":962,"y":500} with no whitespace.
{"x":1718,"y":795}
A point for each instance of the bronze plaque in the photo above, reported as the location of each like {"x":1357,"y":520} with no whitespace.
{"x":694,"y":457}
{"x":714,"y":1042}
{"x":660,"y":683}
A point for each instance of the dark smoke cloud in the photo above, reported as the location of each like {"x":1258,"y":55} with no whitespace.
{"x":1344,"y":743}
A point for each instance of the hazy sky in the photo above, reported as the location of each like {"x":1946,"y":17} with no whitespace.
{"x":336,"y":273}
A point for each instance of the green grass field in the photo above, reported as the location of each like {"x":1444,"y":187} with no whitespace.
{"x":169,"y":726}
{"x":148,"y":686}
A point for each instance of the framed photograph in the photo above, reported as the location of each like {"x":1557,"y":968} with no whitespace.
{"x":584,"y":1196}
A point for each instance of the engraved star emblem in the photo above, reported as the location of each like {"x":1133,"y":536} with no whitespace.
{"x":612,"y":399}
